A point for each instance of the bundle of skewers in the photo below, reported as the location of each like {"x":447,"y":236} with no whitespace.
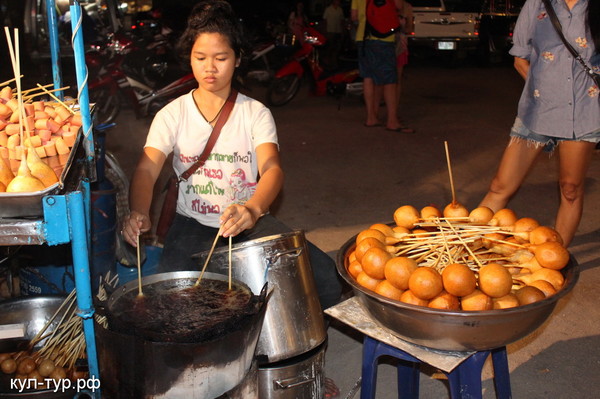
{"x":57,"y":349}
{"x":37,"y":131}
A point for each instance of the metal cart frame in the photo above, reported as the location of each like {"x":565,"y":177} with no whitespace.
{"x":66,"y":217}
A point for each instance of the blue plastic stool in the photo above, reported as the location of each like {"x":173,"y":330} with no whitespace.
{"x":464,"y":380}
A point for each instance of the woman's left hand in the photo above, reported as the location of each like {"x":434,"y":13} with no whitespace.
{"x":236,"y":219}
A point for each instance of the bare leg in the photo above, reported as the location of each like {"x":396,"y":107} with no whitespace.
{"x":370,"y":104}
{"x":378,"y":95}
{"x":399,"y":84}
{"x":518,"y":157}
{"x":389,"y":95}
{"x":575,"y":158}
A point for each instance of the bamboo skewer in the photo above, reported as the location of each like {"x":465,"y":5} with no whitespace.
{"x":14,"y":58}
{"x":467,"y":248}
{"x":139,"y":267}
{"x":9,"y":81}
{"x":68,"y":312}
{"x":446,"y":248}
{"x":36,"y":338}
{"x":29,"y":97}
{"x":56,"y":98}
{"x":229,"y":263}
{"x":450,"y":172}
{"x":209,"y":255}
{"x":36,"y":88}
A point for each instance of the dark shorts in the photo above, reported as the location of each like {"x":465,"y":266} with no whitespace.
{"x":377,"y":60}
{"x":187,"y":237}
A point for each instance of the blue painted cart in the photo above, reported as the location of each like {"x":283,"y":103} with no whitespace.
{"x":66,"y":210}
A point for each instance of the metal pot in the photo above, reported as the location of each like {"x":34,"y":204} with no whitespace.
{"x":454,"y":330}
{"x":294,"y":321}
{"x":301,"y":377}
{"x":131,"y":366}
{"x":34,"y":313}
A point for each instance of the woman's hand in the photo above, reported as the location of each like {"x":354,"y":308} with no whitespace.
{"x":134,"y":225}
{"x":236,"y":219}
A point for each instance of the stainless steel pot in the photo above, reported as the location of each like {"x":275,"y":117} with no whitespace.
{"x":133,"y":367}
{"x":301,"y":377}
{"x":294,"y":321}
{"x":34,"y":313}
{"x":454,"y":330}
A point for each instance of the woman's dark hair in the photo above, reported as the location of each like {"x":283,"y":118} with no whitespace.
{"x":593,"y":17}
{"x":212,"y":16}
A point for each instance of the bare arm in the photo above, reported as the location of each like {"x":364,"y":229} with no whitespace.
{"x":140,"y":194}
{"x":522,"y":66}
{"x":238,"y":218}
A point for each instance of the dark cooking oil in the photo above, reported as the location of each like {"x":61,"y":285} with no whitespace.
{"x":168,"y":311}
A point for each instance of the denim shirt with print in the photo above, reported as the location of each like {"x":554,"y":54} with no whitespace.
{"x":559,"y":98}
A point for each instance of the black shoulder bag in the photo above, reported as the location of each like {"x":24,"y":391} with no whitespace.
{"x":558,"y":28}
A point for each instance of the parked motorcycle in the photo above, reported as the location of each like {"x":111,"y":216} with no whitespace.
{"x":288,"y":78}
{"x":121,"y":72}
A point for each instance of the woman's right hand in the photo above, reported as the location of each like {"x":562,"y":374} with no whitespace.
{"x":134,"y":225}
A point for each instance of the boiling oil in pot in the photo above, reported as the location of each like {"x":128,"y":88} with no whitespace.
{"x":181,"y":312}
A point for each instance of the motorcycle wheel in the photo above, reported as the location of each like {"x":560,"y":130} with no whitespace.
{"x":107,"y":106}
{"x":282,"y":90}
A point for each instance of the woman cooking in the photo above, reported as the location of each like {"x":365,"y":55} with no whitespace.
{"x":215,"y":200}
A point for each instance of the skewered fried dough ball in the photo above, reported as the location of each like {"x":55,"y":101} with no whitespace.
{"x":406,"y":216}
{"x":430,"y":212}
{"x":503,"y":218}
{"x":458,"y":279}
{"x":495,"y":280}
{"x":455,"y":210}
{"x":542,"y":234}
{"x":481,"y":215}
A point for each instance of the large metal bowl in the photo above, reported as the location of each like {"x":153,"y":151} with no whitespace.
{"x":454,"y":330}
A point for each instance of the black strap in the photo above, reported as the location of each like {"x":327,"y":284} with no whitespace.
{"x":229,"y":103}
{"x":558,"y":27}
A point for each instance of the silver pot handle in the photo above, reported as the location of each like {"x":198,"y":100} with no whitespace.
{"x":293,"y":253}
{"x":293,"y":382}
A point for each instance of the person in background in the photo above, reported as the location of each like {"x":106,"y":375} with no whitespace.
{"x":225,"y":197}
{"x":334,"y":26}
{"x":378,"y":68}
{"x":297,"y":21}
{"x":405,"y":14}
{"x":559,"y":106}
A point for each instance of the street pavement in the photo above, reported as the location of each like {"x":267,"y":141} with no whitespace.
{"x":342,"y":177}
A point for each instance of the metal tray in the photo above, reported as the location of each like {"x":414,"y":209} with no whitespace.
{"x":29,"y":205}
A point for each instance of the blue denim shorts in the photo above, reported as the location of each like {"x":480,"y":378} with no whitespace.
{"x":548,"y":142}
{"x":377,"y":60}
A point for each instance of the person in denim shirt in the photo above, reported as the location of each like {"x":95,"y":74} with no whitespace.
{"x":559,"y":106}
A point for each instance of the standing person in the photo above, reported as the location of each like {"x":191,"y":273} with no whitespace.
{"x":225,"y":196}
{"x":297,"y":21}
{"x":377,"y":66}
{"x":334,"y":26}
{"x":559,"y":107}
{"x":407,"y":25}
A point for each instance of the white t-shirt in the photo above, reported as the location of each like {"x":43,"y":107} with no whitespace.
{"x":231,"y":171}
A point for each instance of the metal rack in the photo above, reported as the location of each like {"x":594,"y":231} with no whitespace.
{"x":66,"y":215}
